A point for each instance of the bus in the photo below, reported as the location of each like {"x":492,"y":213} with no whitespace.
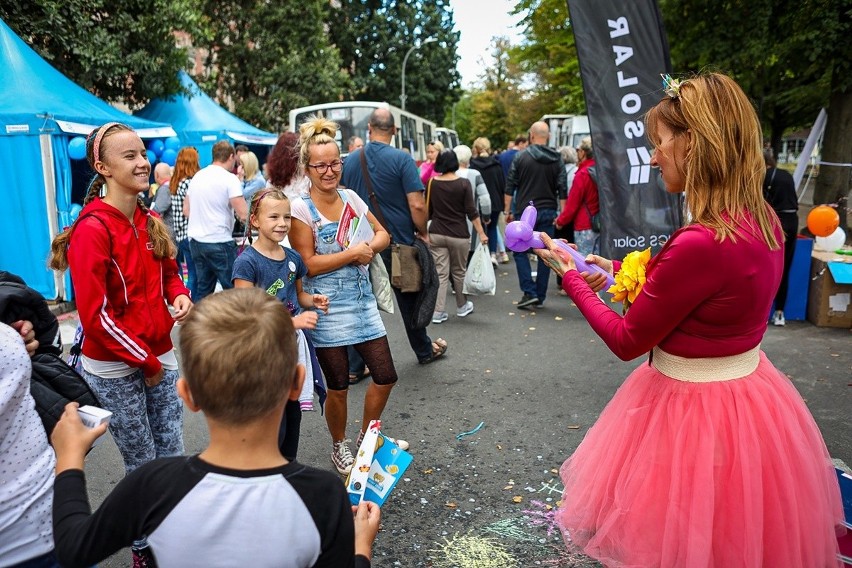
{"x":412,"y":132}
{"x":447,"y":136}
{"x":566,"y":129}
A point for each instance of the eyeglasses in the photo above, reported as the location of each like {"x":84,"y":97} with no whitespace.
{"x":335,"y":166}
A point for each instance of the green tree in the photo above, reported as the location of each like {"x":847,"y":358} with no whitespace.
{"x":121,"y":50}
{"x":791,"y":57}
{"x":549,"y":58}
{"x":496,"y":106}
{"x":764,"y":45}
{"x":373,"y":37}
{"x":266,"y":58}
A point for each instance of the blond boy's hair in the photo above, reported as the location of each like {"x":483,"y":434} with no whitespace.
{"x":238,"y":349}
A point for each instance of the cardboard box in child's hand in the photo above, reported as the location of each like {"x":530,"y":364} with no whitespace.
{"x":379,"y":465}
{"x":830,"y":301}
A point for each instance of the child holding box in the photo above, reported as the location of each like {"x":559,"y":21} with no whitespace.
{"x":203,"y":510}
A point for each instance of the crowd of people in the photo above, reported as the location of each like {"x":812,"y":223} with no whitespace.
{"x":715,"y":436}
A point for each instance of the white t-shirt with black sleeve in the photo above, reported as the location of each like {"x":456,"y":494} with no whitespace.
{"x":196,"y":514}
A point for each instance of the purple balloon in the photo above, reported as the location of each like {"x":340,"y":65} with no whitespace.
{"x":528,"y":217}
{"x":520,"y":237}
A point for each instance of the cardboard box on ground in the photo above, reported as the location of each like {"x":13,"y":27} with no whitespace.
{"x":830,"y":301}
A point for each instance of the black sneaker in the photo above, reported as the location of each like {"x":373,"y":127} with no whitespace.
{"x":527,"y":301}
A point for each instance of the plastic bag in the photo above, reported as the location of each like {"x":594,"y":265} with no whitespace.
{"x":381,"y":284}
{"x":480,"y":278}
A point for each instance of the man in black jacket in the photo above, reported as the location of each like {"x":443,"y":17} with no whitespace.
{"x":536,"y":177}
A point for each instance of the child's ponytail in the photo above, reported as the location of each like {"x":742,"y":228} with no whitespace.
{"x":58,"y":259}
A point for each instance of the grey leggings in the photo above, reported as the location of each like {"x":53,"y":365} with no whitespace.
{"x":146,"y":422}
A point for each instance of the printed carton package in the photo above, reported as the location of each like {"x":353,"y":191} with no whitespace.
{"x":379,"y":465}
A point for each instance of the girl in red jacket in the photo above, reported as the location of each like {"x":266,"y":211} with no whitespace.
{"x":122,"y":263}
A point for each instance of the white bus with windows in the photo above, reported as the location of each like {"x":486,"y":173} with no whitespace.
{"x":447,"y":136}
{"x":566,"y":129}
{"x":412,"y":132}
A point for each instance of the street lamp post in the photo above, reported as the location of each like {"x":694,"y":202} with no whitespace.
{"x":402,"y":96}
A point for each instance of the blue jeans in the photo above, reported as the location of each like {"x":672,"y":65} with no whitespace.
{"x":536,"y":288}
{"x":213,"y":261}
{"x":491,"y":230}
{"x":146,"y":422}
{"x":586,"y":241}
{"x":44,"y":561}
{"x":184,"y":255}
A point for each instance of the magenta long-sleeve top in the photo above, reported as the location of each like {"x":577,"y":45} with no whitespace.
{"x":702,"y":297}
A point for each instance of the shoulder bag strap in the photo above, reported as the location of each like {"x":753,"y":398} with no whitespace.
{"x":428,"y":193}
{"x":373,"y":201}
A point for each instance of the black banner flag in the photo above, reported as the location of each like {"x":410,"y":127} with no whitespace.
{"x":623,"y":50}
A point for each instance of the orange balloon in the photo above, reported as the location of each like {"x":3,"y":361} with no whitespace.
{"x":823,"y":220}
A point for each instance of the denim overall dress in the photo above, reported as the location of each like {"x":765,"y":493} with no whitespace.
{"x":353,"y":316}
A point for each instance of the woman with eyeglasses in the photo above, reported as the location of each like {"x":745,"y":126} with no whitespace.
{"x":341,"y":274}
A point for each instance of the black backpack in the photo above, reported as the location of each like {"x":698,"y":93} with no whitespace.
{"x":54,"y":384}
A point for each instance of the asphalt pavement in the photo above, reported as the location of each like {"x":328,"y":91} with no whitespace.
{"x":535,"y":381}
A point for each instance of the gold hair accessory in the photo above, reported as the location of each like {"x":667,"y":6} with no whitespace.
{"x":671,"y":86}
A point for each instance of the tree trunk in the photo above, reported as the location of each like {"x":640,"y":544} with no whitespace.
{"x":833,"y":183}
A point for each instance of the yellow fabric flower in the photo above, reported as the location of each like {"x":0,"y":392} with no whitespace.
{"x":631,"y":277}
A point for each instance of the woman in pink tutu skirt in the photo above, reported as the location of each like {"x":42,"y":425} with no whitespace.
{"x":707,"y":455}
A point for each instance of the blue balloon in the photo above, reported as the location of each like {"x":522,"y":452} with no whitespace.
{"x":74,"y":212}
{"x":77,"y":148}
{"x":156,"y":146}
{"x":173,"y":143}
{"x":152,"y":157}
{"x":169,"y":156}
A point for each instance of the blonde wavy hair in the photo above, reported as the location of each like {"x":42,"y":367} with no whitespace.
{"x":724,"y":168}
{"x":315,"y":130}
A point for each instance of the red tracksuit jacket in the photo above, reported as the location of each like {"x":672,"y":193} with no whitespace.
{"x":121,"y":288}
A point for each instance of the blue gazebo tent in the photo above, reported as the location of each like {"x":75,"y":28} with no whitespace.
{"x":200,"y":122}
{"x":40,"y":111}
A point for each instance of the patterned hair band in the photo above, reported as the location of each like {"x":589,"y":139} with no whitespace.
{"x":98,"y":138}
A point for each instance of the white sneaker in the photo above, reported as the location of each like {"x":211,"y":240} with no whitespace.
{"x":465,"y":310}
{"x":341,"y":457}
{"x":494,"y":259}
{"x":403,"y":445}
{"x":778,"y":318}
{"x":440,"y":317}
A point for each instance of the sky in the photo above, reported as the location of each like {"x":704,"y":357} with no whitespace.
{"x":479,"y":21}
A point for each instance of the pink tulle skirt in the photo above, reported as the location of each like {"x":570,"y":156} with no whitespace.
{"x":720,"y":474}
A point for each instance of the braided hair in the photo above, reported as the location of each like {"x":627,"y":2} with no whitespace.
{"x":158,"y":234}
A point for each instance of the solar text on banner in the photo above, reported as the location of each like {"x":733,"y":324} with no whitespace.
{"x":623,"y":51}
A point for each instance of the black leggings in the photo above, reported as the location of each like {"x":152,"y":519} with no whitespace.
{"x":334,"y":362}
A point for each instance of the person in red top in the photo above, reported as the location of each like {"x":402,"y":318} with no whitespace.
{"x":122,"y":263}
{"x":582,"y":201}
{"x":707,"y":455}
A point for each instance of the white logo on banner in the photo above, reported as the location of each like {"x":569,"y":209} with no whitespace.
{"x":640,"y":165}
